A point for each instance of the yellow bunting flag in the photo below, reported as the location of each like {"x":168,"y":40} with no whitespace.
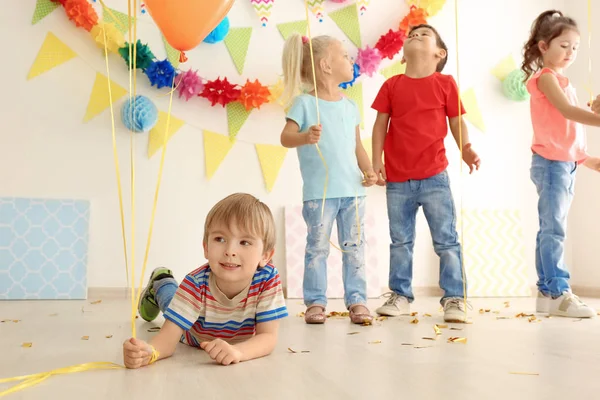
{"x":396,"y":68}
{"x":236,"y":118}
{"x":504,"y":67}
{"x":216,"y":147}
{"x":347,"y":20}
{"x":355,"y":93}
{"x":473,"y":114}
{"x":271,"y":159}
{"x":286,"y":29}
{"x":237,"y":42}
{"x":52,"y":54}
{"x":156,"y":138}
{"x":99,"y":99}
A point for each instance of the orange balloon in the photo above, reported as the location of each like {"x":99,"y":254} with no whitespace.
{"x":185,"y":23}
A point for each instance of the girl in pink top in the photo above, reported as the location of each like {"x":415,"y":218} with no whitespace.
{"x":559,"y":146}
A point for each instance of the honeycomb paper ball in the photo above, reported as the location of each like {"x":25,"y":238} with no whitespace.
{"x":513,"y":86}
{"x":218,"y":34}
{"x":139,"y":114}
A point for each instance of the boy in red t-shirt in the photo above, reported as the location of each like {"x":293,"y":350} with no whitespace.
{"x":415,"y":105}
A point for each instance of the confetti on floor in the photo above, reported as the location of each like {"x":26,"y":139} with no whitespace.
{"x":422,"y":347}
{"x":382,"y":318}
{"x":96,"y":302}
{"x":375,"y":342}
{"x":353,"y":333}
{"x":455,"y":329}
{"x":503,"y":318}
{"x":406,"y":344}
{"x":525,"y":373}
{"x":300,"y":314}
{"x":295,"y":352}
{"x":154,"y":329}
{"x":415,"y":321}
{"x":523,"y":315}
{"x":109,"y":336}
{"x":442,"y":326}
{"x":85,"y":338}
{"x":457,"y":340}
{"x":414,"y":314}
{"x":338,"y":314}
{"x":506,"y":304}
{"x":427,"y":315}
{"x":54,"y":315}
{"x":27,"y":344}
{"x":437,"y":330}
{"x":429,"y":338}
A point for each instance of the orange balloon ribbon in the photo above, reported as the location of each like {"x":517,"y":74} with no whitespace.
{"x":186,"y":23}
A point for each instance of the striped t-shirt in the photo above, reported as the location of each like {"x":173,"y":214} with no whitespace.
{"x":205,"y":313}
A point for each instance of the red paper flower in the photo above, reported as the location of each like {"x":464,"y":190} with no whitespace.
{"x":416,"y":16}
{"x":220,"y":91}
{"x":391,"y":43}
{"x":254,"y":95}
{"x":82,"y":13}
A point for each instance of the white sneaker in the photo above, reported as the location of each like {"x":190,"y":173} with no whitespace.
{"x":454,"y":309}
{"x":542,"y":303}
{"x":394,"y":306}
{"x":569,"y":305}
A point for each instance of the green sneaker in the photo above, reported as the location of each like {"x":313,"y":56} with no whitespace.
{"x":148,"y":307}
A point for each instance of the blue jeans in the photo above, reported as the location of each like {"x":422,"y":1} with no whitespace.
{"x":555,"y":184}
{"x":164,"y":290}
{"x":403,"y":202}
{"x":344,"y":212}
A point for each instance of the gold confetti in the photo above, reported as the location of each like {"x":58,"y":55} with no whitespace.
{"x":352,"y":333}
{"x":481,"y":311}
{"x":414,"y":314}
{"x":429,"y":338}
{"x":442,"y":326}
{"x":154,"y":329}
{"x":96,"y":302}
{"x":578,"y":320}
{"x":415,"y":321}
{"x":382,"y":318}
{"x":503,"y":318}
{"x":533,"y":319}
{"x":54,"y":315}
{"x":455,"y":329}
{"x":367,"y":323}
{"x":525,"y":373}
{"x":295,"y":352}
{"x":437,"y":330}
{"x":406,"y":344}
{"x":85,"y":338}
{"x":27,"y":344}
{"x":506,"y":304}
{"x":300,"y":314}
{"x":375,"y":342}
{"x":109,"y":336}
{"x":457,"y":340}
{"x":427,"y":315}
{"x":422,"y":347}
{"x":549,"y":316}
{"x":496,"y":312}
{"x":16,"y":321}
{"x":523,"y":315}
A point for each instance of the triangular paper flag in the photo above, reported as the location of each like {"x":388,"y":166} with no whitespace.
{"x":316,"y":6}
{"x":122,"y":22}
{"x":356,"y":93}
{"x":236,"y":117}
{"x":396,"y":68}
{"x":99,"y":99}
{"x":504,"y":67}
{"x":368,"y":145}
{"x":156,"y":138}
{"x":271,"y":159}
{"x":263,"y":9}
{"x":172,"y":54}
{"x":42,"y":9}
{"x":52,"y":54}
{"x":473,"y":114}
{"x":362,"y":5}
{"x":237,"y":41}
{"x":216,"y":148}
{"x":347,"y":20}
{"x":288,"y":28}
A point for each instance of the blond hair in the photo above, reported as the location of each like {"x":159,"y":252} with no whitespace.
{"x":248,"y":213}
{"x":297,"y":63}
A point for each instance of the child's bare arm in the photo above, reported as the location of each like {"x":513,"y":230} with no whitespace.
{"x":137,"y":353}
{"x":291,"y":136}
{"x":548,"y":84}
{"x":458,"y":127}
{"x":364,"y":163}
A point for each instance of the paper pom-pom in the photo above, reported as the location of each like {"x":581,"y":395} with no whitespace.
{"x":513,"y":86}
{"x":431,"y":6}
{"x":219,"y":33}
{"x":368,"y":60}
{"x":144,"y":56}
{"x":160,"y":73}
{"x":139,"y":114}
{"x":189,"y":84}
{"x":391,"y":43}
{"x":254,"y":95}
{"x":220,"y":92}
{"x":82,"y":13}
{"x":276,"y":92}
{"x":114,"y":37}
{"x":416,"y":16}
{"x":346,"y":85}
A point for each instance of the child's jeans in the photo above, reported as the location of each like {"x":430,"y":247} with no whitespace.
{"x":164,"y":290}
{"x":403,"y":202}
{"x":346,"y":211}
{"x":555,"y":184}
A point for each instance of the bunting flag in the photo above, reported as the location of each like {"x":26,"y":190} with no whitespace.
{"x":52,"y":54}
{"x":99,"y":99}
{"x":317,"y":8}
{"x":286,"y":29}
{"x":156,"y":138}
{"x":355,"y":93}
{"x":236,"y":118}
{"x":216,"y":147}
{"x":237,"y":42}
{"x":396,"y":68}
{"x":172,"y":54}
{"x":368,"y":145}
{"x":432,"y":7}
{"x":271,"y":159}
{"x":362,"y":5}
{"x":473,"y":114}
{"x":263,"y":9}
{"x":122,"y":22}
{"x":504,"y":67}
{"x":43,"y":8}
{"x":347,"y":20}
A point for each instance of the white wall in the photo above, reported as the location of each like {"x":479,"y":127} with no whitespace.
{"x":47,"y":151}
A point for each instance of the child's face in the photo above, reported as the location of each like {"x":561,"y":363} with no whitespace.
{"x":338,"y":63}
{"x":423,"y":41}
{"x":562,"y":50}
{"x":234,"y":255}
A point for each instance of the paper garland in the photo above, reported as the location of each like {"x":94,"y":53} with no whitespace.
{"x":473,"y":114}
{"x":216,"y":148}
{"x":236,"y":118}
{"x":271,"y":159}
{"x":237,"y":42}
{"x":263,"y":9}
{"x":43,"y":8}
{"x":396,"y":68}
{"x":504,"y":67}
{"x":317,"y":8}
{"x":347,"y":20}
{"x":99,"y":98}
{"x":172,"y":54}
{"x":287,"y":28}
{"x":156,"y":138}
{"x":123,"y":20}
{"x":356,"y":94}
{"x":52,"y":54}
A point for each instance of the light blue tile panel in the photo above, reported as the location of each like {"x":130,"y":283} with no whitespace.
{"x":43,"y":248}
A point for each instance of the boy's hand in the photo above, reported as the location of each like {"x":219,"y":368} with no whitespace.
{"x":222,"y":352}
{"x":314,"y":134}
{"x":136,"y":353}
{"x":471,"y":159}
{"x":379,"y":170}
{"x":592,"y":163}
{"x":370,"y":178}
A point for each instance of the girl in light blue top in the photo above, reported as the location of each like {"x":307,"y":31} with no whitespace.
{"x":338,"y":139}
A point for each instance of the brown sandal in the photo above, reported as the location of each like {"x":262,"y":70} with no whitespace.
{"x":360,"y":318}
{"x":315,"y":317}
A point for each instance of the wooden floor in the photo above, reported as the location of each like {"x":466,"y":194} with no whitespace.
{"x":390,"y":359}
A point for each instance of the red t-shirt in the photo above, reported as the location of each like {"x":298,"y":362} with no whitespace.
{"x":414,"y":144}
